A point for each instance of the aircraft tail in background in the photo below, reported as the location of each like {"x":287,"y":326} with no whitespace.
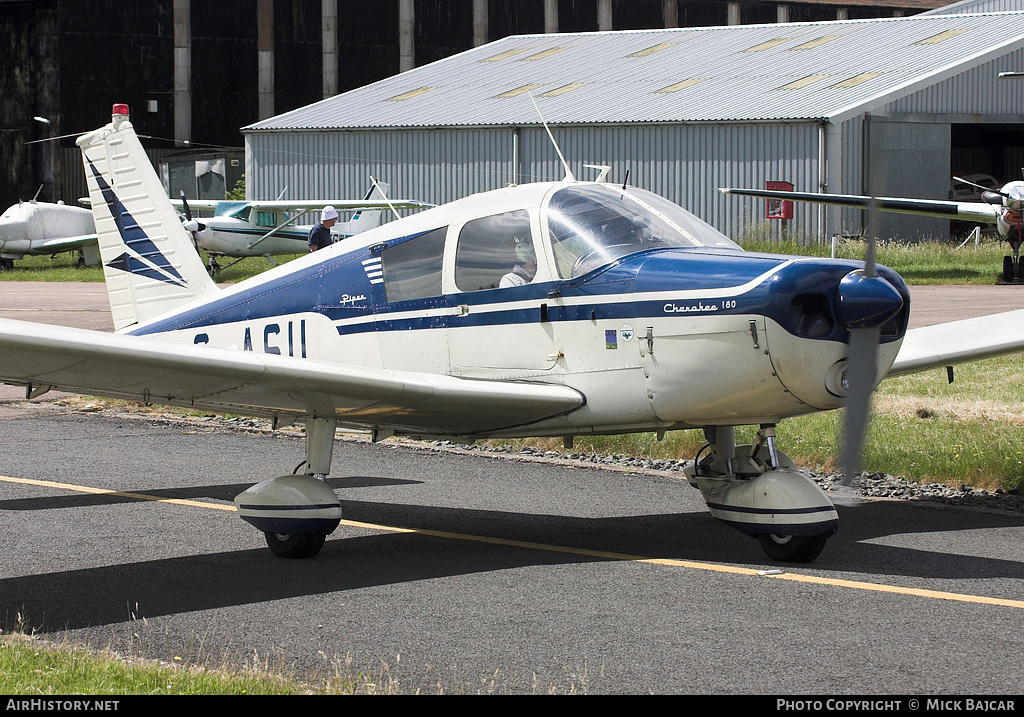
{"x":150,"y":264}
{"x":366,"y":219}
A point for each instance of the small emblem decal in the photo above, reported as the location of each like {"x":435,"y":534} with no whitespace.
{"x":626,"y":332}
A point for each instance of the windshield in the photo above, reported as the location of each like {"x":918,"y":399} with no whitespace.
{"x":591,"y":225}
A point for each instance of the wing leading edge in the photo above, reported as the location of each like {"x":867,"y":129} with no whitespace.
{"x":247,"y":383}
{"x":960,"y":342}
{"x":966,"y":211}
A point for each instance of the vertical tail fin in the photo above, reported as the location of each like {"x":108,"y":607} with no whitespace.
{"x":150,"y":264}
{"x":366,"y":219}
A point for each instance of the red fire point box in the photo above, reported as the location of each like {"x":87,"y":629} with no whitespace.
{"x":779,"y":208}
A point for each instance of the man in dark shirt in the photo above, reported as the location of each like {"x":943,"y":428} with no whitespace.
{"x":320,"y":235}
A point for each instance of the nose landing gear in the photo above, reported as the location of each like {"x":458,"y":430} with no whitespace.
{"x":760,"y":492}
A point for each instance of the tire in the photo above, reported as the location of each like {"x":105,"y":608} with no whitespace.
{"x":1008,"y":269}
{"x":295,"y":546}
{"x":791,"y":548}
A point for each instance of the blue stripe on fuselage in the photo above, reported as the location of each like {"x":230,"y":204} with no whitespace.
{"x":606,"y":293}
{"x":658,"y":283}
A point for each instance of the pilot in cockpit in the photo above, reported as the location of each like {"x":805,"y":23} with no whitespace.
{"x":522,"y":273}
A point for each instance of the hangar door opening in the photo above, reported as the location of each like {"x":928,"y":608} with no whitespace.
{"x":988,"y":154}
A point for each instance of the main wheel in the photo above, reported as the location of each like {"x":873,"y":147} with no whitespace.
{"x":1008,"y":269}
{"x":295,"y":546}
{"x":791,"y":548}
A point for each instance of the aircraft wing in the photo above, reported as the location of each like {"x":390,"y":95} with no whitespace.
{"x":342,"y":205}
{"x":979,"y":212}
{"x":311,"y":205}
{"x":59,"y":244}
{"x":959,"y":342}
{"x":153,"y":371}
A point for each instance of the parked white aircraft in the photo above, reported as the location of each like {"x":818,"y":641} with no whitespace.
{"x":1003,"y":207}
{"x":267,"y":228}
{"x":40,"y":228}
{"x":637,"y":317}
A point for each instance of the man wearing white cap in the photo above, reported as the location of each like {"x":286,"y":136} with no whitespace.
{"x":320,"y":235}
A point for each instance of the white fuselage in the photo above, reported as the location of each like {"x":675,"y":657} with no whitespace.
{"x":656,"y":339}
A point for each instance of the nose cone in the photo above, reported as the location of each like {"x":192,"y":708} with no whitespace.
{"x":866,"y":301}
{"x":1015,"y":198}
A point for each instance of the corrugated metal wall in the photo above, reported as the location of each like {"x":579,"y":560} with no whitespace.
{"x":686,"y":163}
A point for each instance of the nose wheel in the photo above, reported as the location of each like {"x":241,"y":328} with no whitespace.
{"x":791,"y":548}
{"x":284,"y":545}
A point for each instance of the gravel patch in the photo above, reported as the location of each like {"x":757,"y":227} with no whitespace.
{"x":866,"y":485}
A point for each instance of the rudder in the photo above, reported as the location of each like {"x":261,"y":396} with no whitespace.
{"x":150,"y":264}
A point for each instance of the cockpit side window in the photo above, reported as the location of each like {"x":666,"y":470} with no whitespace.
{"x":412,"y":269}
{"x":495,"y":251}
{"x":266,"y":219}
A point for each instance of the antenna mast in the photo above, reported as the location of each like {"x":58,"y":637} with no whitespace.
{"x":569,"y":177}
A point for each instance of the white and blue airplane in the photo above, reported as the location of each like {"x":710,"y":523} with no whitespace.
{"x":631,"y":315}
{"x":267,"y":228}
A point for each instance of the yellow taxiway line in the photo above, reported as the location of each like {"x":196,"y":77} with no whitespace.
{"x":604,"y":555}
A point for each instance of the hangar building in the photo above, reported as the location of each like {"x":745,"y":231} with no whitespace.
{"x":823,"y":106}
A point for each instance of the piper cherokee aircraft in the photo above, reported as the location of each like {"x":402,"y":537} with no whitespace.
{"x":267,"y":228}
{"x":632,"y":315}
{"x":40,"y":228}
{"x":1003,"y":207}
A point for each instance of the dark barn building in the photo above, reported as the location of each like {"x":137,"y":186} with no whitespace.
{"x":194,"y":71}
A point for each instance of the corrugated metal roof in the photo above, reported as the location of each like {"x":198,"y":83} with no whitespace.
{"x":977,"y":6}
{"x":793,"y":71}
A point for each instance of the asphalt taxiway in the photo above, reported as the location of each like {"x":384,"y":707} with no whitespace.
{"x":462,"y":573}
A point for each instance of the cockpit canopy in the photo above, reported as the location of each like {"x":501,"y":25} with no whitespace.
{"x":592,"y":225}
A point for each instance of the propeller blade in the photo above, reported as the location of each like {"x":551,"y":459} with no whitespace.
{"x":184,"y":205}
{"x":1000,"y":192}
{"x":190,"y":224}
{"x":862,"y":347}
{"x":861,"y":375}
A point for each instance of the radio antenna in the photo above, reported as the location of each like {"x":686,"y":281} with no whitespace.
{"x":568,"y":172}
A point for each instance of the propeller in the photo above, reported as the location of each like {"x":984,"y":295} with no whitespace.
{"x":866,"y":302}
{"x":191,"y":224}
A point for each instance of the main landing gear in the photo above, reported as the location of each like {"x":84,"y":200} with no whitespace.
{"x":1013,"y":266}
{"x":759,"y":491}
{"x":296,"y":513}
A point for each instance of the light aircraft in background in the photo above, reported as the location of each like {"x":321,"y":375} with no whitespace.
{"x":634,"y":316}
{"x":267,"y":228}
{"x":1002,"y":207}
{"x":37,"y":228}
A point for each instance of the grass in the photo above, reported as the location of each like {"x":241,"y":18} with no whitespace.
{"x":33,"y":667}
{"x":918,"y":263}
{"x":64,"y":267}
